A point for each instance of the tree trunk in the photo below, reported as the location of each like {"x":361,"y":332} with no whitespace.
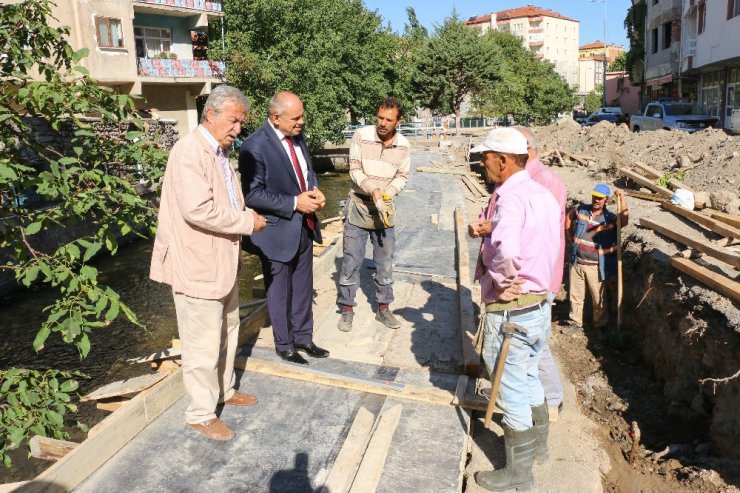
{"x":457,"y":121}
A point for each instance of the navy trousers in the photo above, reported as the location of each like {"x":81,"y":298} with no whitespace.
{"x":289,"y":287}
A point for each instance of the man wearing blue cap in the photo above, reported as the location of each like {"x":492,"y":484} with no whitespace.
{"x":593,"y":256}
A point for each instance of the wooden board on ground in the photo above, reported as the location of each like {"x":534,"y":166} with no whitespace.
{"x":123,"y":387}
{"x":471,"y":360}
{"x":373,"y":386}
{"x":703,"y":246}
{"x":730,"y":219}
{"x":645,"y":196}
{"x":641,"y":180}
{"x":718,"y":282}
{"x":426,"y":169}
{"x":371,"y":467}
{"x":344,"y":469}
{"x":47,"y":448}
{"x":712,"y":224}
{"x":122,"y":425}
{"x":648,"y":171}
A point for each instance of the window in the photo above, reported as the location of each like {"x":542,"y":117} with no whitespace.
{"x":667,"y":35}
{"x":151,"y":41}
{"x":702,"y":17}
{"x":110,"y":34}
{"x":733,"y":8}
{"x":654,"y":41}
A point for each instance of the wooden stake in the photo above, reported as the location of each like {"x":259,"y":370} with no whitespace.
{"x":371,"y":467}
{"x":345,"y":466}
{"x":718,"y":282}
{"x":50,"y":448}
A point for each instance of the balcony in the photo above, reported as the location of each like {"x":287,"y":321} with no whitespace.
{"x":536,"y":39}
{"x":200,"y":5}
{"x":163,"y":67}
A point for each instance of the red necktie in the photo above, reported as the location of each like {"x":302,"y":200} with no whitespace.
{"x":310,"y":221}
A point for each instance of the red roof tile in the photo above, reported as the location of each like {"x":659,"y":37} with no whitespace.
{"x":479,"y":19}
{"x":530,"y":11}
{"x":591,"y":46}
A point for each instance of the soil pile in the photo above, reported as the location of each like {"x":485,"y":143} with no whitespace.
{"x":707,"y":161}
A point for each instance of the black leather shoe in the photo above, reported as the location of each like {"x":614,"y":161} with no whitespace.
{"x":312,"y":349}
{"x":292,"y":356}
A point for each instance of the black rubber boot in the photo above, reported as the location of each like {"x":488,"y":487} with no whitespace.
{"x":520,"y":449}
{"x":541,"y":419}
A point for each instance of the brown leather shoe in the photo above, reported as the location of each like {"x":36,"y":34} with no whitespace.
{"x":215,"y":429}
{"x":242,"y":399}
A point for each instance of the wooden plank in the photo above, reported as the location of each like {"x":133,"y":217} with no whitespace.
{"x":471,"y":186}
{"x":427,"y":169}
{"x":719,"y":283}
{"x":345,"y":466}
{"x":373,"y":386}
{"x":250,"y":327}
{"x":481,"y":189}
{"x":730,"y":219}
{"x":712,"y":224}
{"x":111,"y":435}
{"x":648,"y":171}
{"x":111,"y":404}
{"x":159,"y":355}
{"x":645,"y":196}
{"x":371,"y":467}
{"x":703,"y":246}
{"x":641,"y":180}
{"x":471,"y":359}
{"x":123,"y":387}
{"x":47,"y":448}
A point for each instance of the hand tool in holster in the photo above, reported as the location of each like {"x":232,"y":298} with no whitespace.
{"x":509,"y":329}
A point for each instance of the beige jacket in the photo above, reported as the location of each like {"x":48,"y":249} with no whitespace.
{"x":197,"y":248}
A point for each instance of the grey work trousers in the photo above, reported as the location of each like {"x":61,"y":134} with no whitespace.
{"x":355,"y":241}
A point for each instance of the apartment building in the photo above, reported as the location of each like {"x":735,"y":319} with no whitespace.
{"x":156,"y":49}
{"x":710,"y":55}
{"x":591,"y":64}
{"x":662,"y":47}
{"x":546,"y":33}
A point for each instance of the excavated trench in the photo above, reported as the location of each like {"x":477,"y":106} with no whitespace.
{"x":672,"y":370}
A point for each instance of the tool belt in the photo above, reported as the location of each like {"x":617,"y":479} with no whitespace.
{"x":526,"y":302}
{"x":361,"y":212}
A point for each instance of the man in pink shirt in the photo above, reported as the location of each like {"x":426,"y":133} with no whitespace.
{"x":518,"y":261}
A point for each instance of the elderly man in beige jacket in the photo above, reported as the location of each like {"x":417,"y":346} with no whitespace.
{"x":197,"y":251}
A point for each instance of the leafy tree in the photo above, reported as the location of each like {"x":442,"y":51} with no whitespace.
{"x":91,"y":182}
{"x":337,"y":56}
{"x":594,"y":99}
{"x":619,"y":63}
{"x":455,"y":63}
{"x":634,"y":24}
{"x":414,"y":38}
{"x":528,"y":89}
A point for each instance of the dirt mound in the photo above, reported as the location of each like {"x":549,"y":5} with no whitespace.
{"x":707,"y":161}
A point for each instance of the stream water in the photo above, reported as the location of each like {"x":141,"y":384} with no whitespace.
{"x":128,"y":273}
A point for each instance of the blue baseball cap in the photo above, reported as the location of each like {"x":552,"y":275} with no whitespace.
{"x":601,"y":190}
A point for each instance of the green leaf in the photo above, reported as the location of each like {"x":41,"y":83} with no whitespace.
{"x":30,"y":275}
{"x":92,"y":250}
{"x":112,"y":312}
{"x":41,"y":336}
{"x":8,"y":173}
{"x":89,"y":272}
{"x":33,"y":228}
{"x":83,"y":345}
{"x":69,"y":386}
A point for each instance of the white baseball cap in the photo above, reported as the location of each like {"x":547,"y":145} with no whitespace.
{"x":504,"y":139}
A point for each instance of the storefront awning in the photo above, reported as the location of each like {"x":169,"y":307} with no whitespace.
{"x":659,"y":81}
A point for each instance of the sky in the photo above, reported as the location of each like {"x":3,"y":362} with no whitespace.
{"x":590,"y":14}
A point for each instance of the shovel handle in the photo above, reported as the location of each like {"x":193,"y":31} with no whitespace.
{"x":496,"y":382}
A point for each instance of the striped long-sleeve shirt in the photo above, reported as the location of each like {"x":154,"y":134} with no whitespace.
{"x":372,"y":165}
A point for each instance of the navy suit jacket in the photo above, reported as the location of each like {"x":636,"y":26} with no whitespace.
{"x":270,"y":187}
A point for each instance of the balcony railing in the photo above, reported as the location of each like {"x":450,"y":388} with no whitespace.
{"x":163,"y":67}
{"x":206,"y":5}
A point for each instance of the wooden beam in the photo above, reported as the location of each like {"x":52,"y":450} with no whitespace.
{"x":373,"y":386}
{"x":645,"y":196}
{"x":345,"y":466}
{"x":47,"y":448}
{"x":703,"y":246}
{"x":712,"y":224}
{"x":730,"y":219}
{"x":250,"y":327}
{"x":471,"y":359}
{"x":427,"y":169}
{"x":719,"y":283}
{"x":646,"y":170}
{"x":123,"y":387}
{"x":641,"y":180}
{"x":111,"y":435}
{"x":373,"y":462}
{"x":112,"y":403}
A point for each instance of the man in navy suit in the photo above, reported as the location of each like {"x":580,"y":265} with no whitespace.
{"x":279,"y":182}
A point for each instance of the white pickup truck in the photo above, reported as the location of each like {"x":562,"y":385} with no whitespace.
{"x":670,"y":115}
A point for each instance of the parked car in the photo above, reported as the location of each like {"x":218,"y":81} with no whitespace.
{"x":614,"y":110}
{"x":670,"y":115}
{"x":595,"y":118}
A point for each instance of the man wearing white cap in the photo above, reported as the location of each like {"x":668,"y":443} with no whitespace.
{"x":593,"y":256}
{"x":517,"y":258}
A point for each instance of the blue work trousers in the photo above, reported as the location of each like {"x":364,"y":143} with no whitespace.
{"x":520,"y":387}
